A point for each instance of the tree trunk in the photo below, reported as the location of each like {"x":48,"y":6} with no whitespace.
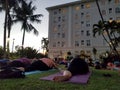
{"x":23,"y":38}
{"x":23,"y":42}
{"x":9,"y":29}
{"x":5,"y":25}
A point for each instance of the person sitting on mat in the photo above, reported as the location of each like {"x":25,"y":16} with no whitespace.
{"x":76,"y":67}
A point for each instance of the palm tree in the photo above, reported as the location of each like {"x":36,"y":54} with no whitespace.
{"x":4,"y":4}
{"x":7,"y":5}
{"x":45,"y":43}
{"x":25,"y":14}
{"x":106,"y":29}
{"x":114,"y":30}
{"x":100,"y":30}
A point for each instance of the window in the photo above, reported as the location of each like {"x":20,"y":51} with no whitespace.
{"x":110,"y":10}
{"x":103,"y":12}
{"x":58,"y":35}
{"x":87,"y":33}
{"x":54,"y":44}
{"x":54,"y":36}
{"x":58,"y":44}
{"x":82,"y":42}
{"x":116,"y":1}
{"x":63,"y":26}
{"x":117,"y":9}
{"x":82,"y":32}
{"x":87,"y":5}
{"x":77,"y":33}
{"x":63,"y":35}
{"x":109,"y":0}
{"x":77,"y":25}
{"x":88,"y":42}
{"x":54,"y":29}
{"x":82,"y":22}
{"x":59,"y":10}
{"x":88,"y":16}
{"x":87,"y":23}
{"x":76,"y":43}
{"x":64,"y":10}
{"x":54,"y":20}
{"x":77,"y":8}
{"x":76,"y":16}
{"x":63,"y":18}
{"x":59,"y":26}
{"x":82,"y":14}
{"x":62,"y":44}
{"x":59,"y":19}
{"x":82,"y":6}
{"x":55,"y":12}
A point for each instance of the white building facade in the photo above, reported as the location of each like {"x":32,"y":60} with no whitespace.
{"x":71,"y":26}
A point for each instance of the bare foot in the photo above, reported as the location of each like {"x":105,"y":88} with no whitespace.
{"x":60,"y":78}
{"x":21,"y":68}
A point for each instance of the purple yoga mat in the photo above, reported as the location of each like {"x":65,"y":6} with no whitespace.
{"x":80,"y":79}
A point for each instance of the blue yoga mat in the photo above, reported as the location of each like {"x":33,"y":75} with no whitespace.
{"x":37,"y":71}
{"x":33,"y":72}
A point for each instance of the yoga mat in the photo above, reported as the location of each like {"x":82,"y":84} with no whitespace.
{"x":33,"y":72}
{"x":37,"y":71}
{"x":79,"y":79}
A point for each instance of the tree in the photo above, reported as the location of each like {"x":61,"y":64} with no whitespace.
{"x":114,"y":29}
{"x":100,"y":30}
{"x":1,"y":52}
{"x":107,"y":29}
{"x":7,"y":6}
{"x":25,"y":15}
{"x":112,"y":33}
{"x":45,"y":43}
{"x":27,"y":52}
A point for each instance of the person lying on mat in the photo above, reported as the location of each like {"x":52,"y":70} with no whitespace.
{"x":36,"y":64}
{"x":41,"y":64}
{"x":77,"y":66}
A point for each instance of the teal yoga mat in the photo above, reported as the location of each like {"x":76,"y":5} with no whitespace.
{"x":37,"y":71}
{"x":33,"y":72}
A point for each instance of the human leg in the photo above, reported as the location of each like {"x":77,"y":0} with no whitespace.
{"x":66,"y":76}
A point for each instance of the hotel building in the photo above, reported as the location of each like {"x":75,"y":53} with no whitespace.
{"x":71,"y":26}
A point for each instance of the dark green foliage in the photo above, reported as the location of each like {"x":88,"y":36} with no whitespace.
{"x":1,"y":52}
{"x":29,"y":52}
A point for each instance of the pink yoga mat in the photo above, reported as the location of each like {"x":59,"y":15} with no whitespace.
{"x":80,"y":79}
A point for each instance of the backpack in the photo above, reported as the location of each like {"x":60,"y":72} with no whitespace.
{"x":7,"y":73}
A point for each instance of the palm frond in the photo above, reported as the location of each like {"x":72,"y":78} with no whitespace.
{"x":35,"y":18}
{"x":31,"y":27}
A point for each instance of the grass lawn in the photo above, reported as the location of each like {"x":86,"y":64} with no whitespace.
{"x":32,"y":82}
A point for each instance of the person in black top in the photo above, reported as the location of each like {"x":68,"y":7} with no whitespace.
{"x":77,"y":66}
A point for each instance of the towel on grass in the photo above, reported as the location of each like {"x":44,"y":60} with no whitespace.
{"x":79,"y":79}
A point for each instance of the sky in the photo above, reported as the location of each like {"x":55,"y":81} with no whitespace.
{"x":30,"y":39}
